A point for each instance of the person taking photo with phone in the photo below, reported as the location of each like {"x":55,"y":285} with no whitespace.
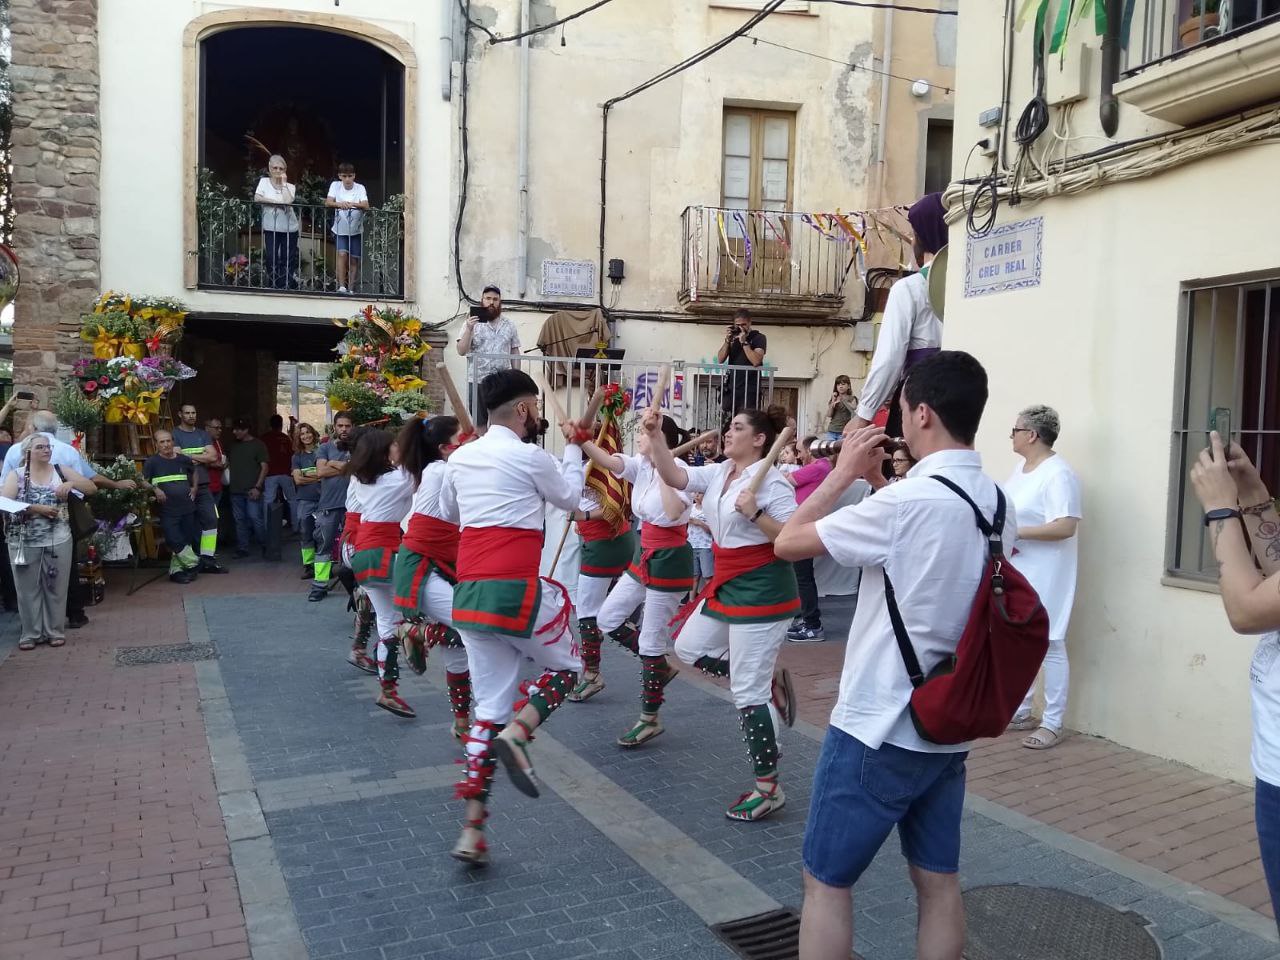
{"x":487,"y":332}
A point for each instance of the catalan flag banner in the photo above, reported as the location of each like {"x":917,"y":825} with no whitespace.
{"x":614,"y":493}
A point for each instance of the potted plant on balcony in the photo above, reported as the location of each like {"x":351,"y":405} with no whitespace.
{"x":1201,"y":25}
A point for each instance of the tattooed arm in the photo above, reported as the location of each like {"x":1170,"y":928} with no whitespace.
{"x":1251,"y":600}
{"x":1260,"y":517}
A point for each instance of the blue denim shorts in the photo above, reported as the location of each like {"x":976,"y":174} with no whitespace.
{"x":860,"y":794}
{"x":351,"y":245}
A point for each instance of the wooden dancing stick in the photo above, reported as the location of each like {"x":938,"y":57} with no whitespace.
{"x":569,"y":522}
{"x":688,"y":445}
{"x":593,"y":408}
{"x":556,"y":410}
{"x":455,"y":400}
{"x":664,"y":380}
{"x":757,"y":480}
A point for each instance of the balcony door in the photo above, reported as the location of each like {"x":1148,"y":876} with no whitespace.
{"x":756,"y":184}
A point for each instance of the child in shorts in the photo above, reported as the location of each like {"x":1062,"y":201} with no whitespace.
{"x":350,"y":200}
{"x":700,"y":541}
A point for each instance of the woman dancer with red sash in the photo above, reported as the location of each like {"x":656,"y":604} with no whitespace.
{"x":497,"y":489}
{"x":736,"y":625}
{"x":660,"y":574}
{"x":426,"y":566}
{"x":385,"y":493}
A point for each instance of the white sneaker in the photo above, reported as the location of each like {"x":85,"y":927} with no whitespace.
{"x":343,"y":290}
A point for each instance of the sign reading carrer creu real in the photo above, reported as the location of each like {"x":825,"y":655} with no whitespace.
{"x":1008,"y":258}
{"x":568,"y":278}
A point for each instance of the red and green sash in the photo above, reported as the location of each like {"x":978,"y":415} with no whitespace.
{"x":605,"y":552}
{"x":350,"y":529}
{"x":498,"y":589}
{"x":663,"y":559}
{"x":429,"y":544}
{"x":750,"y":585}
{"x":375,"y":551}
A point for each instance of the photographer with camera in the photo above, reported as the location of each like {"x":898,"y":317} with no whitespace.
{"x":487,"y":331}
{"x":742,"y":347}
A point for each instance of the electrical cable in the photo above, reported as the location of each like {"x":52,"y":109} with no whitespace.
{"x":844,"y":63}
{"x":895,"y":7}
{"x":548,"y":26}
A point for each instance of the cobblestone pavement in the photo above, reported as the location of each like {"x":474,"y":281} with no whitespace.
{"x":261,"y":802}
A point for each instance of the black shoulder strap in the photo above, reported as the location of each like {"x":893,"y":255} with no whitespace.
{"x":61,"y":476}
{"x":993,"y":530}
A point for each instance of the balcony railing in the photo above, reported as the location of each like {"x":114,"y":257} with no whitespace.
{"x":777,"y":261}
{"x":298,"y":250}
{"x":1162,"y":29}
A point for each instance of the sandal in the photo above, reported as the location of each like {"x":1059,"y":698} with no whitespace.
{"x":475,"y":853}
{"x":758,"y":804}
{"x":587,"y":687}
{"x":1042,"y":739}
{"x":413,"y":641}
{"x":1024,"y":721}
{"x":461,"y":728}
{"x":513,"y":751}
{"x":392,"y":702}
{"x":641,"y":732}
{"x":26,"y":645}
{"x":784,"y":696}
{"x":57,"y":641}
{"x":362,"y":661}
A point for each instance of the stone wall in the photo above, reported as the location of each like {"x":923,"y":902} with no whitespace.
{"x":56,"y":163}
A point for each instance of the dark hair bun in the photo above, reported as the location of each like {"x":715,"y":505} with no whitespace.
{"x":778,"y":416}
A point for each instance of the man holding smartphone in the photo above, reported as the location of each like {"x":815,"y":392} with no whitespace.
{"x":742,"y":347}
{"x":487,"y":331}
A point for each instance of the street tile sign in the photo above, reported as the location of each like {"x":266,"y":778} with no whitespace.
{"x":568,"y":278}
{"x":1008,"y":258}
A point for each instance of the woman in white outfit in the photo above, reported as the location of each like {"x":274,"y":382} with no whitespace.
{"x":1046,"y":497}
{"x":660,"y":574}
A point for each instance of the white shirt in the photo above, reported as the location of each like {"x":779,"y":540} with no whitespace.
{"x":279,"y":219}
{"x":729,"y":528}
{"x":347,"y":223}
{"x":496,"y":336}
{"x":426,"y":499}
{"x":353,"y":503}
{"x":909,"y":323}
{"x":646,"y":492}
{"x":387,"y":499}
{"x":1049,"y":492}
{"x":1264,"y":680}
{"x":699,"y":539}
{"x":63,"y":455}
{"x":927,"y":539}
{"x":500,"y":481}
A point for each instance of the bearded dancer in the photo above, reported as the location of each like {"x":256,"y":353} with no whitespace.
{"x":426,"y":566}
{"x":497,"y":488}
{"x":659,"y":576}
{"x":385,"y":493}
{"x":736,"y":625}
{"x":608,"y":544}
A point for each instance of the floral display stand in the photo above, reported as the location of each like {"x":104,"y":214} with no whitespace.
{"x":377,"y":377}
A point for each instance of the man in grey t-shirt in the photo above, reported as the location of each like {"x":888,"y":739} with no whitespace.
{"x":196,"y":443}
{"x":331,"y":511}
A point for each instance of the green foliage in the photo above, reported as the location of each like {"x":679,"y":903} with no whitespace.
{"x":113,"y":506}
{"x":406,"y":404}
{"x":358,"y":398}
{"x":75,"y":409}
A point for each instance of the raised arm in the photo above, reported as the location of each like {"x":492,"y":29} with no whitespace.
{"x":890,"y":354}
{"x":860,"y":454}
{"x":1259,"y":509}
{"x":606,"y":461}
{"x":670,"y":469}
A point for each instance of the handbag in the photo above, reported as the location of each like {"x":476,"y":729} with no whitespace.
{"x":79,"y":513}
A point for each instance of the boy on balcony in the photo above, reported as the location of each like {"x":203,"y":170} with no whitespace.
{"x":350,"y":200}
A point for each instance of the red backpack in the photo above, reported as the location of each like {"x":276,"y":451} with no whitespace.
{"x":976,"y":692}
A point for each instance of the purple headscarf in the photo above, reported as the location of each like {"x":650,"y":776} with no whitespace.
{"x":928,"y":220}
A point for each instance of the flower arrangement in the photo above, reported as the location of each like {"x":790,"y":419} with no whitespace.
{"x":126,"y":389}
{"x":376,"y":377}
{"x":616,"y":401}
{"x":125,"y":325}
{"x":76,"y":408}
{"x":115,"y":507}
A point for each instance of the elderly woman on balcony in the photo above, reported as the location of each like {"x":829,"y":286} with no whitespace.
{"x":279,"y":225}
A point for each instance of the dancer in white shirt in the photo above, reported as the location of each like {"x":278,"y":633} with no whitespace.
{"x":385,"y":493}
{"x":496,"y":489}
{"x":660,"y":575}
{"x":426,"y":566}
{"x":737,"y":624}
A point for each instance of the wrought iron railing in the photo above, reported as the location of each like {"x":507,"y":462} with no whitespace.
{"x":776,"y":257}
{"x":299,"y":251}
{"x":1161,"y":29}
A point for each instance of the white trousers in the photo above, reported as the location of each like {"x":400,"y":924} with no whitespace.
{"x":591,"y":594}
{"x":1057,"y":673}
{"x":752,"y":649}
{"x":659,"y":608}
{"x":495,"y":658}
{"x":383,"y":598}
{"x":435,"y":600}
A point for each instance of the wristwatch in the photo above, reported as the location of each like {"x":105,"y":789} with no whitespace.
{"x":1222,"y":513}
{"x":756,"y":516}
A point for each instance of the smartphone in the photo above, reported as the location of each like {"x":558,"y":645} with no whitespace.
{"x":480,"y":313}
{"x":1220,"y":420}
{"x":23,"y":395}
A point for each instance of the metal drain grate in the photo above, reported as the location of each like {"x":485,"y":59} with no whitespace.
{"x":165,"y":653}
{"x":1016,"y":922}
{"x":766,"y":936}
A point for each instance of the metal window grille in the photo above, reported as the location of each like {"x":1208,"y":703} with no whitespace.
{"x":1163,"y":29}
{"x":1228,"y":357}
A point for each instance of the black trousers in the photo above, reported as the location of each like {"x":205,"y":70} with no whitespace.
{"x":75,"y":590}
{"x":809,"y":612}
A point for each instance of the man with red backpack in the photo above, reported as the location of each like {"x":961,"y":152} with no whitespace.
{"x":884,"y":762}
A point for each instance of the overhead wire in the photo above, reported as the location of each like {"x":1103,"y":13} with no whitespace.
{"x":845,"y":63}
{"x":548,"y":26}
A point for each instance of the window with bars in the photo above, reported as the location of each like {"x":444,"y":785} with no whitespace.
{"x":1228,"y":357}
